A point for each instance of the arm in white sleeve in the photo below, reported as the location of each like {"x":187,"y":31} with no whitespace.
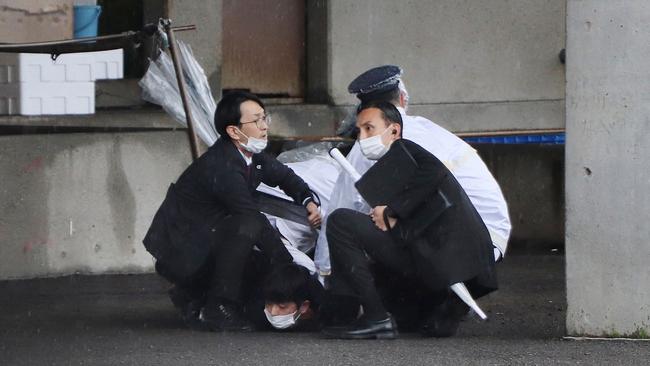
{"x":299,"y":257}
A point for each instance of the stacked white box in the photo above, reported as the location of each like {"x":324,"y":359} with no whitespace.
{"x":47,"y":98}
{"x":34,"y":84}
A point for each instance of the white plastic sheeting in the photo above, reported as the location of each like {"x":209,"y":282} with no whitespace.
{"x":159,"y":86}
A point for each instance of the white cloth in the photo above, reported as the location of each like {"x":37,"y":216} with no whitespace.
{"x":461,"y":159}
{"x":320,"y":174}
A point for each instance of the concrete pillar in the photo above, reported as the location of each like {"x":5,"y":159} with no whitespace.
{"x":607,"y":167}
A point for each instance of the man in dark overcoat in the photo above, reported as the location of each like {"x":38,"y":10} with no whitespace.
{"x":422,"y":230}
{"x":205,"y":231}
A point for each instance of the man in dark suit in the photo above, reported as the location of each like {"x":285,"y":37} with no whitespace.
{"x":422,"y":230}
{"x":204,"y":232}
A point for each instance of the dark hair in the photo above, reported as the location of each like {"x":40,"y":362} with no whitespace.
{"x":228,"y":113}
{"x":389,"y":112}
{"x":288,"y":283}
{"x":391,"y":95}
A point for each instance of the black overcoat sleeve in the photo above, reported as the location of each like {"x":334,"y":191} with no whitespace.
{"x":428,"y":177}
{"x":231,"y":189}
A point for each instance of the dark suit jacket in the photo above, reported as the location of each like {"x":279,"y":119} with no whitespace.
{"x":455,"y":245}
{"x":213,"y":187}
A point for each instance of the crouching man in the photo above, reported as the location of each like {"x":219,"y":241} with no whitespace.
{"x":204,"y":232}
{"x":425,"y":232}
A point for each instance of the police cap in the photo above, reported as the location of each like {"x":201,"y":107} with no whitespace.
{"x":377,"y":80}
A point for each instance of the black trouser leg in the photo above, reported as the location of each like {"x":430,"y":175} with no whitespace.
{"x":236,"y":236}
{"x":232,"y":249}
{"x":352,"y":237}
{"x":194,"y":286}
{"x":408,"y":299}
{"x":271,"y":245}
{"x":257,"y":268}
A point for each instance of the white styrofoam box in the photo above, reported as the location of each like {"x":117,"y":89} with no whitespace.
{"x":109,"y":64}
{"x":40,"y":68}
{"x":47,"y":98}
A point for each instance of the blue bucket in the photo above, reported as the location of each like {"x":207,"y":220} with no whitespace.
{"x":86,"y":18}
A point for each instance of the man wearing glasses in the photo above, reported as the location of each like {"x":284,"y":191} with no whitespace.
{"x":204,"y":232}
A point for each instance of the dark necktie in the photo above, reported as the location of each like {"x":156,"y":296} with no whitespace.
{"x":248,"y":172}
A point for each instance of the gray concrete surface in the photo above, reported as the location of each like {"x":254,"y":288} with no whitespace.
{"x":82,"y":202}
{"x":103,"y":119}
{"x":607,"y":175}
{"x":452,"y":51}
{"x":128,"y":320}
{"x":305,"y":120}
{"x":479,"y":117}
{"x":458,"y":53}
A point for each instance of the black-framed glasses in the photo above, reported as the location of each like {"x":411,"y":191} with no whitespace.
{"x":266,"y":118}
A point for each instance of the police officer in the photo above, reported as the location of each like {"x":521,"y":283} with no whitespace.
{"x":384,"y":83}
{"x":204,"y":232}
{"x":427,"y":232}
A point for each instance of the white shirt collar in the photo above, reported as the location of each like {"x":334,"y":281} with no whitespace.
{"x":247,"y":159}
{"x":402,"y":111}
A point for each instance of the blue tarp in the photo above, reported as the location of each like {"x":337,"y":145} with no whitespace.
{"x":551,"y":139}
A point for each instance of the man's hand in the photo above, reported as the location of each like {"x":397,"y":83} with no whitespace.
{"x":313,"y":215}
{"x":377,"y":216}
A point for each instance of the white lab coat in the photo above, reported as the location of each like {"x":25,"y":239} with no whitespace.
{"x":461,"y":159}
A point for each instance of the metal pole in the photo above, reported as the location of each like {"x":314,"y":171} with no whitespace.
{"x":85,"y":44}
{"x":194,"y":141}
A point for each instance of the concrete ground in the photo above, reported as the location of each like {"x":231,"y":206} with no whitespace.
{"x":128,"y":320}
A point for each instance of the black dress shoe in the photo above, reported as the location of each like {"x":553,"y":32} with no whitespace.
{"x":363,"y":328}
{"x":224,"y":316}
{"x":445,"y":318}
{"x":188,"y":305}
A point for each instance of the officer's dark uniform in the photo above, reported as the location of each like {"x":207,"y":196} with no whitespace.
{"x":205,"y":229}
{"x":453,"y":247}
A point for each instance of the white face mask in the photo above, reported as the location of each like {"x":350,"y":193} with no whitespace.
{"x":373,"y":147}
{"x":282,"y":321}
{"x":253,"y":145}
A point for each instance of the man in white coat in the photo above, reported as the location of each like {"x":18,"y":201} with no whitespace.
{"x":385,"y":83}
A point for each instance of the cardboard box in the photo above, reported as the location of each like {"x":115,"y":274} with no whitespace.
{"x":23,"y":21}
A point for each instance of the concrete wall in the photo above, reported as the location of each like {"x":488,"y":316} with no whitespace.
{"x":206,"y":39}
{"x":470,"y":65}
{"x":82,"y":202}
{"x":607,"y":170}
{"x":461,"y":57}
